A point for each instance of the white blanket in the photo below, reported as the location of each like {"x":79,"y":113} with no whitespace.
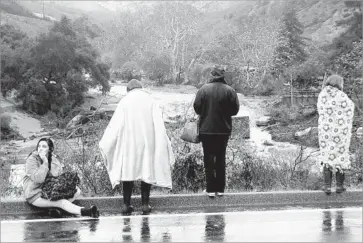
{"x":135,"y":145}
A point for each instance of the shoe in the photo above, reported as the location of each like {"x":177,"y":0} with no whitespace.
{"x":91,"y":212}
{"x":209,"y":194}
{"x":55,"y":213}
{"x":340,"y":177}
{"x":327,"y":174}
{"x":127,"y":210}
{"x":220,"y":194}
{"x":146,"y":209}
{"x":94,"y":211}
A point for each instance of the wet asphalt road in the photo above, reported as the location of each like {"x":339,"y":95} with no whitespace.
{"x":327,"y":225}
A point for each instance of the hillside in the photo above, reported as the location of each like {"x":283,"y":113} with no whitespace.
{"x":27,"y":15}
{"x":318,"y":16}
{"x":31,"y":26}
{"x":72,"y":9}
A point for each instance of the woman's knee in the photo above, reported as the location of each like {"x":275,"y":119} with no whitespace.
{"x":62,"y":203}
{"x":43,"y":203}
{"x":39,"y":202}
{"x":78,"y":193}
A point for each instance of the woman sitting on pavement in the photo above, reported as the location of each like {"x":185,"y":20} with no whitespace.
{"x":46,"y":186}
{"x":336,"y":112}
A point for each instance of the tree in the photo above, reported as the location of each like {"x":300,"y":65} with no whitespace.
{"x":130,"y":70}
{"x":15,"y":57}
{"x":175,"y":24}
{"x":314,"y":66}
{"x":129,"y":38}
{"x":85,"y":27}
{"x":61,"y":57}
{"x":63,"y":50}
{"x":347,"y":52}
{"x":157,"y":67}
{"x":346,"y":57}
{"x":290,"y":47}
{"x":246,"y":46}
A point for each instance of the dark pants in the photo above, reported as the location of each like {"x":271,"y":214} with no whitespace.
{"x":214,"y":149}
{"x":127,"y":191}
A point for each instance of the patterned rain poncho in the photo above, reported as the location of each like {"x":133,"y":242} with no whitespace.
{"x":336,"y":112}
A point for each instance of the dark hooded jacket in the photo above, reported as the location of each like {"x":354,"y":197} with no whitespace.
{"x":216,"y":102}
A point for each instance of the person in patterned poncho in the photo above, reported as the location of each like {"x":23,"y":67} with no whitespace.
{"x":336,"y":112}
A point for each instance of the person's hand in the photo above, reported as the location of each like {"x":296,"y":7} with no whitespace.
{"x":44,"y":158}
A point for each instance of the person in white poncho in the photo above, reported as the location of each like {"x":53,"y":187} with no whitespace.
{"x":135,"y":146}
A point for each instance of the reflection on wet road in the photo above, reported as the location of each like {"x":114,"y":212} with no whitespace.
{"x":328,"y":225}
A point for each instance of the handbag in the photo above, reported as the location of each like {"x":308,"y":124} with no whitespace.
{"x":191,"y":129}
{"x":191,"y":132}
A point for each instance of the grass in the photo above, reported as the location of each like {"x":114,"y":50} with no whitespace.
{"x":245,"y":171}
{"x":286,"y":132}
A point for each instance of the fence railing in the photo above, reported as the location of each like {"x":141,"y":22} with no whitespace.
{"x":300,"y":97}
{"x":301,"y":92}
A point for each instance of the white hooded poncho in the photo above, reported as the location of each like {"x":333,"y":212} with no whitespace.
{"x":135,"y":145}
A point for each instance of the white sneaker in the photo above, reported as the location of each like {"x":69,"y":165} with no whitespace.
{"x":209,"y":194}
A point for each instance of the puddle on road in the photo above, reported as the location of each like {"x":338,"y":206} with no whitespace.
{"x":316,"y":225}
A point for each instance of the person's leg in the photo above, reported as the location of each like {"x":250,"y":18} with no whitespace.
{"x":327,"y":176}
{"x":76,"y":195}
{"x":208,"y":163}
{"x":220,"y":166}
{"x":340,"y":178}
{"x":63,"y":204}
{"x":145,"y":197}
{"x":127,"y":192}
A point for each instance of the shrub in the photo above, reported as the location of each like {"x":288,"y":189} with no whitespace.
{"x":285,"y":114}
{"x":40,"y":97}
{"x":199,"y":74}
{"x":267,"y":86}
{"x":245,"y":170}
{"x":233,"y":77}
{"x":7,"y":132}
{"x":81,"y":154}
{"x":5,"y":122}
{"x":158,"y":68}
{"x":188,"y":171}
{"x":8,"y":189}
{"x":130,"y":70}
{"x":356,"y":148}
{"x":35,"y":96}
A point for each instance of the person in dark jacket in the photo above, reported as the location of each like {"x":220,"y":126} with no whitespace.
{"x":215,"y":103}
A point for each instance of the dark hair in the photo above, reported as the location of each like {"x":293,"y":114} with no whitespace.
{"x":51,"y":149}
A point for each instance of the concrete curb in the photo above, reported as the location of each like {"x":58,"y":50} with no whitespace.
{"x":195,"y":201}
